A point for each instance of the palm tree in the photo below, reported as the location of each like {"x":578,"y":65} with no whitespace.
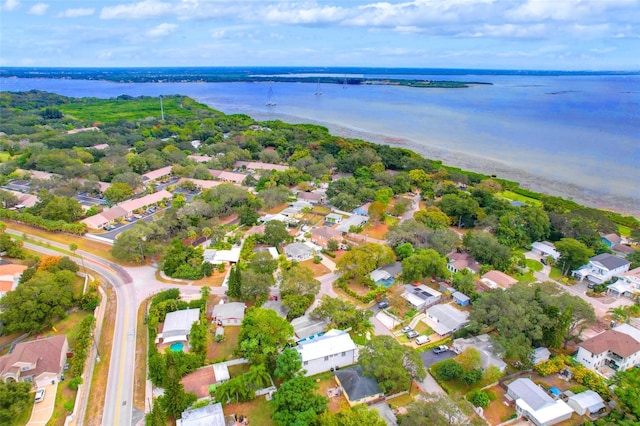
{"x":258,"y":377}
{"x":619,"y":313}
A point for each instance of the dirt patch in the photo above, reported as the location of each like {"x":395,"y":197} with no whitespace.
{"x":318,"y":268}
{"x":258,"y":411}
{"x":498,"y":410}
{"x":328,"y":386}
{"x":377,"y":231}
{"x":358,"y":288}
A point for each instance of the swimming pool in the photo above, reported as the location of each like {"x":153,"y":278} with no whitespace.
{"x":177,"y":347}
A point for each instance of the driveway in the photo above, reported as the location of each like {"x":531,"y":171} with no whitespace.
{"x":42,"y":411}
{"x":429,"y":357}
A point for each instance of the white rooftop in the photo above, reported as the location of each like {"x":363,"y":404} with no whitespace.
{"x":177,"y":325}
{"x":332,"y":342}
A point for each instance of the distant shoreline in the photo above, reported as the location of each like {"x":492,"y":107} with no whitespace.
{"x":488,"y":166}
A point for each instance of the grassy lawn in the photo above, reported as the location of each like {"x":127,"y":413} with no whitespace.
{"x":321,"y":210}
{"x":423,"y":328}
{"x":555,"y":274}
{"x":69,"y":326}
{"x":4,"y":156}
{"x":238,"y":369}
{"x":95,"y":406}
{"x":113,"y":110}
{"x":318,"y":268}
{"x":64,"y":397}
{"x":534,"y":265}
{"x":523,"y":199}
{"x":257,"y":411}
{"x":624,"y":231}
{"x":90,"y":246}
{"x":525,"y":278}
{"x":140,"y":377}
{"x":215,"y":280}
{"x":223,"y":351}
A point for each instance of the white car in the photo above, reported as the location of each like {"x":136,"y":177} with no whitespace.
{"x":40,"y":395}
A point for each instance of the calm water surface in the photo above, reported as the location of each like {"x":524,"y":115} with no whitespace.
{"x":574,"y":136}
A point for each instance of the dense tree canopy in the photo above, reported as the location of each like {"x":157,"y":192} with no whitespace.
{"x":263,"y":335}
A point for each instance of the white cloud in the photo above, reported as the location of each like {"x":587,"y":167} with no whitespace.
{"x":76,"y":13}
{"x":10,"y":5}
{"x":162,"y":30}
{"x":567,"y":10}
{"x":306,"y":15}
{"x":185,"y":9}
{"x":38,"y":9}
{"x":139,"y":10}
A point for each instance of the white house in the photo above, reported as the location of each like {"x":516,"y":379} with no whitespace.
{"x":602,"y":268}
{"x":355,"y":220}
{"x":222,"y":256}
{"x":10,"y":274}
{"x":299,"y":251}
{"x":586,"y":403}
{"x":421,"y":297}
{"x":534,"y":403}
{"x":228,"y":313}
{"x":333,"y":218}
{"x":539,"y":355}
{"x":445,"y":319}
{"x":545,"y":249}
{"x":628,"y":284}
{"x":618,"y":349}
{"x":37,"y":361}
{"x":332,"y":350}
{"x":495,"y":279}
{"x":177,"y":326}
{"x":210,"y":415}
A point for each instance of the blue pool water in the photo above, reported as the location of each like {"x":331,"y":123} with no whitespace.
{"x":177,"y":347}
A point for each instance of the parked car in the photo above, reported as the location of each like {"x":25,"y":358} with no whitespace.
{"x":440,"y":349}
{"x":383,"y":304}
{"x":412,"y":334}
{"x":421,"y":340}
{"x":40,"y":395}
{"x":406,"y":329}
{"x":544,"y":262}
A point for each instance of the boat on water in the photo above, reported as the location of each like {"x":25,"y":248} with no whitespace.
{"x":270,"y":101}
{"x":318,"y":91}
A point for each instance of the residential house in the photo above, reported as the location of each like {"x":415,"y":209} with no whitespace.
{"x":10,"y":274}
{"x":358,"y":388}
{"x":201,"y":380}
{"x":535,"y":404}
{"x":101,"y":220}
{"x":617,"y":349}
{"x":201,"y":183}
{"x":277,"y":306}
{"x":229,"y":177}
{"x":461,"y":298}
{"x":217,"y":257}
{"x":421,"y":297}
{"x":209,"y":415}
{"x":322,"y":235}
{"x":332,"y":350}
{"x":602,"y":268}
{"x":100,"y":146}
{"x":312,"y":197}
{"x":299,"y":251}
{"x":83,"y":129}
{"x":445,"y":319}
{"x":199,"y":158}
{"x":628,"y":284}
{"x":611,"y":240}
{"x":462,"y":260}
{"x":539,"y":355}
{"x":228,"y":313}
{"x":39,"y":361}
{"x":623,"y":250}
{"x":137,"y":204}
{"x":333,"y":218}
{"x":355,"y":220}
{"x":387,"y":274}
{"x":587,"y":403}
{"x":446,"y":288}
{"x":490,"y":352}
{"x":545,"y":249}
{"x":26,"y":200}
{"x":154,"y":175}
{"x":257,"y":165}
{"x":361,"y":211}
{"x":305,"y":327}
{"x":177,"y":326}
{"x":495,"y":279}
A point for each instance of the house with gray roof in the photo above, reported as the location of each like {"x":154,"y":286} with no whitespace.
{"x":490,"y":352}
{"x":228,"y":313}
{"x":602,"y":268}
{"x":445,"y":319}
{"x":38,"y":361}
{"x":305,"y":326}
{"x":355,"y":220}
{"x":535,"y":404}
{"x":387,"y":274}
{"x":177,"y":326}
{"x":299,"y":251}
{"x":421,"y":297}
{"x":357,"y":388}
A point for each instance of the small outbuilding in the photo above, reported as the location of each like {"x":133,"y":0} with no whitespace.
{"x":461,"y":298}
{"x":586,"y":403}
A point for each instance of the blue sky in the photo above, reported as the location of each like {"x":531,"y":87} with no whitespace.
{"x":508,"y":34}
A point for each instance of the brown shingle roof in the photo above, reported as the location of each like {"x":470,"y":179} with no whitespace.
{"x":45,"y":353}
{"x":615,"y":341}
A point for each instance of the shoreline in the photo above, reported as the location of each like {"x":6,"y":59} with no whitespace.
{"x":478,"y":164}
